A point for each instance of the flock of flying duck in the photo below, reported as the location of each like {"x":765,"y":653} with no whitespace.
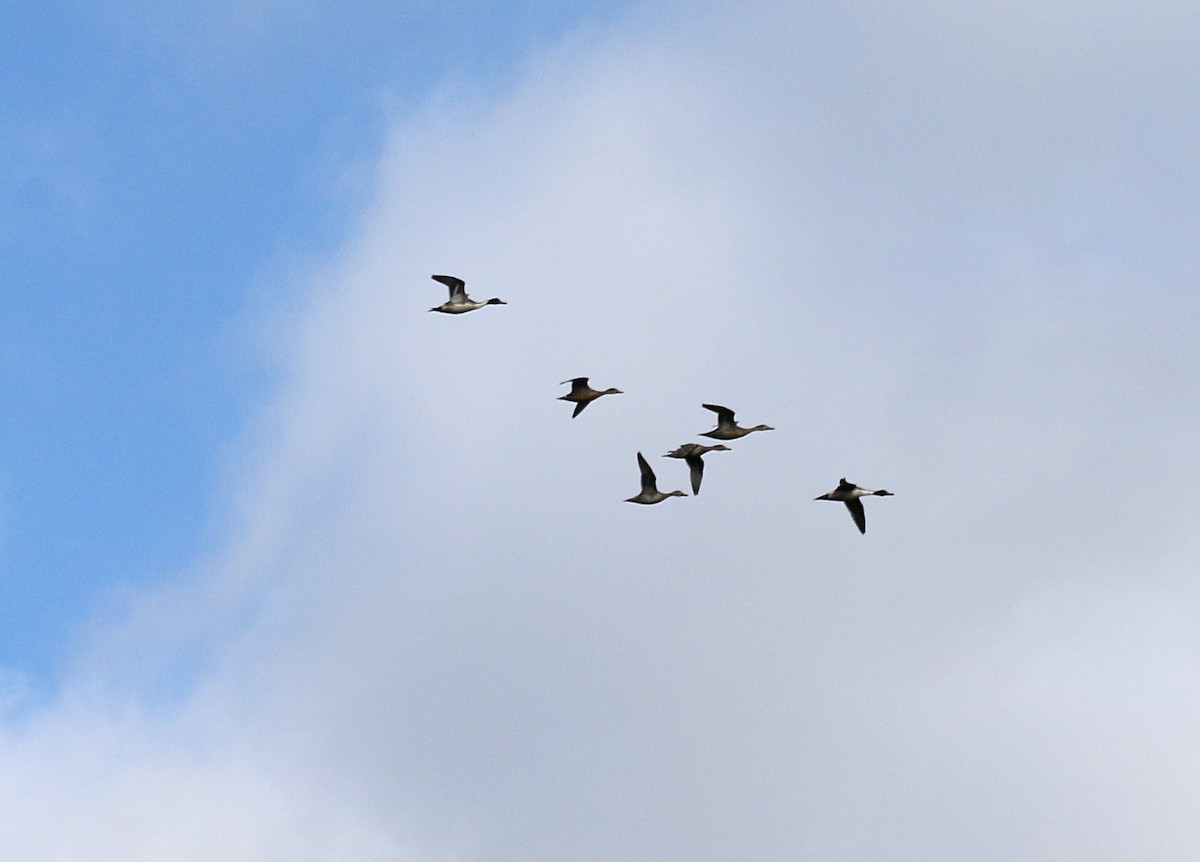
{"x":582,"y":395}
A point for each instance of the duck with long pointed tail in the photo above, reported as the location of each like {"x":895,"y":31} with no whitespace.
{"x":459,"y":302}
{"x":583,"y":395}
{"x":650,"y":493}
{"x":692,"y":454}
{"x":851,"y":495}
{"x":727,"y":428}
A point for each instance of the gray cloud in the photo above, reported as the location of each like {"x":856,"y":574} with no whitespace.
{"x":904,"y":242}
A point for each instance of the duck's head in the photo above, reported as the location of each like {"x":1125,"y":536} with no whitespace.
{"x":882,"y":493}
{"x":494,"y":301}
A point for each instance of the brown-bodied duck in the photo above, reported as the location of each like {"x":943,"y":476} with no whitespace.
{"x":692,"y":454}
{"x":650,"y":493}
{"x":583,"y":395}
{"x":727,"y":428}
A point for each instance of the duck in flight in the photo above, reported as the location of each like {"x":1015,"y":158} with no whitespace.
{"x":650,"y":493}
{"x":727,"y":428}
{"x":583,"y":395}
{"x":851,"y":495}
{"x":459,"y":302}
{"x":692,"y":453}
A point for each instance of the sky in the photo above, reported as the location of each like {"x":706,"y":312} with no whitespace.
{"x":292,"y":569}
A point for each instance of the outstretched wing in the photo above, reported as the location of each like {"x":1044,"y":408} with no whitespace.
{"x":724,"y":414}
{"x":457,"y":286}
{"x":649,"y":483}
{"x":857,"y":513}
{"x":697,"y":471}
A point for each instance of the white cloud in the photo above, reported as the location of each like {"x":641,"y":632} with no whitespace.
{"x":439,"y":634}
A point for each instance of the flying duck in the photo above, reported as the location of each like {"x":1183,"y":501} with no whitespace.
{"x":851,"y":494}
{"x":650,"y":493}
{"x":582,"y":394}
{"x":692,"y":453}
{"x":727,"y":428}
{"x":459,"y":302}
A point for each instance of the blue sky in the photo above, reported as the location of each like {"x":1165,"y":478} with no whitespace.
{"x":157,"y":163}
{"x":293,"y":569}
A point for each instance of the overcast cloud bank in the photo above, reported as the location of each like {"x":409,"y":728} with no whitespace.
{"x":941,"y":252}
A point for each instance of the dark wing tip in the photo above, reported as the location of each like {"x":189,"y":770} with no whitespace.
{"x":456,"y":285}
{"x":858,"y":514}
{"x":649,"y":481}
